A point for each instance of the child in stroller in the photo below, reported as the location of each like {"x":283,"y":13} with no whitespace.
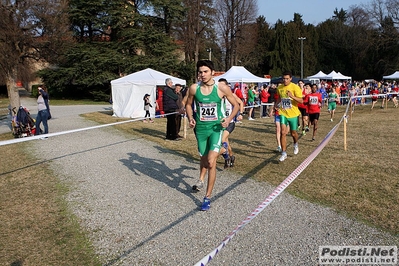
{"x":23,"y":125}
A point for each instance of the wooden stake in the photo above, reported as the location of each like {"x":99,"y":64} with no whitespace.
{"x":345,"y":146}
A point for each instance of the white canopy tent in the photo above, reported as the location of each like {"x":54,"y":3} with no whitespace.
{"x":242,"y":75}
{"x":343,"y":76}
{"x":392,"y":76}
{"x":336,"y":76}
{"x":318,"y":75}
{"x":128,"y":92}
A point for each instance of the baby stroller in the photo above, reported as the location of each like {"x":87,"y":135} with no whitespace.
{"x":23,"y":125}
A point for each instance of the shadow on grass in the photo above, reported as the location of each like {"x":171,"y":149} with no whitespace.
{"x":151,"y":132}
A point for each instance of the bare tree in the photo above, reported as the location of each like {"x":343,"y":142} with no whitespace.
{"x":31,"y":30}
{"x":393,"y":11}
{"x":232,"y":16}
{"x":377,"y":9}
{"x":359,"y":17}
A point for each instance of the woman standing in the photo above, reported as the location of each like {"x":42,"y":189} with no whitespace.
{"x":147,"y":105}
{"x":43,"y":110}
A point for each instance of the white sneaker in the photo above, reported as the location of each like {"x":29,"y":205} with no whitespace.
{"x":199,"y":185}
{"x":279,"y":149}
{"x":283,"y":157}
{"x":296,"y":149}
{"x":251,"y":118}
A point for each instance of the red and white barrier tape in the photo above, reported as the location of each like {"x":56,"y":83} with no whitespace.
{"x":276,"y":192}
{"x":18,"y":140}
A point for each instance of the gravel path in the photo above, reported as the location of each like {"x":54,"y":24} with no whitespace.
{"x":135,"y":199}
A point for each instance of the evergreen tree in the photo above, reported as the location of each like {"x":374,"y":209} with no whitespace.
{"x":112,"y":39}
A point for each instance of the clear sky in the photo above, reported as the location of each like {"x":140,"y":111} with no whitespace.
{"x":312,"y":11}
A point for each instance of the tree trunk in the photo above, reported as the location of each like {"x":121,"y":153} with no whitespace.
{"x":12,"y":90}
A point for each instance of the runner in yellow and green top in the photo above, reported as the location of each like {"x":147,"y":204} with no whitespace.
{"x":289,"y":96}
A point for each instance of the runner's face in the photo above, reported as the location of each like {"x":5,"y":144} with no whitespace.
{"x":205,"y":74}
{"x":286,"y":80}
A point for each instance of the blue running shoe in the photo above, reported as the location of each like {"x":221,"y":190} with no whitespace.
{"x":206,"y":205}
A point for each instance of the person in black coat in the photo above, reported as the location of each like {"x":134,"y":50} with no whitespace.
{"x":170,"y":106}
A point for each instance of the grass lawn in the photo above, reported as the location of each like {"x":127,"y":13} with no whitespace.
{"x":36,"y":226}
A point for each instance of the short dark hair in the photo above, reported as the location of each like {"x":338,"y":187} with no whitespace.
{"x":207,"y":63}
{"x":224,"y":80}
{"x":287,"y":73}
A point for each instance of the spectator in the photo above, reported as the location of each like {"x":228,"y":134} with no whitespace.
{"x":264,"y":99}
{"x":43,"y":108}
{"x":147,"y":105}
{"x":180,"y":105}
{"x":343,"y":92}
{"x":251,"y":101}
{"x":272,"y":97}
{"x":170,"y":107}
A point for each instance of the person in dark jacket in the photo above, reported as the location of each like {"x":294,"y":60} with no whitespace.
{"x":170,"y":107}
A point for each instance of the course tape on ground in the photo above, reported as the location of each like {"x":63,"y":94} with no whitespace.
{"x":18,"y":140}
{"x":276,"y":192}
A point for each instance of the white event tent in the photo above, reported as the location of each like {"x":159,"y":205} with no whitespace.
{"x":242,"y":75}
{"x":336,"y":76}
{"x":128,"y":92}
{"x":318,"y":75}
{"x":392,"y":76}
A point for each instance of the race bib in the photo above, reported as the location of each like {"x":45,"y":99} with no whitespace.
{"x":313,"y":100}
{"x":208,"y":111}
{"x":286,"y":103}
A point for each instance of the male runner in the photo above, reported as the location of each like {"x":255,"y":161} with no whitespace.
{"x":210,"y":120}
{"x":314,"y":102}
{"x":289,"y":96}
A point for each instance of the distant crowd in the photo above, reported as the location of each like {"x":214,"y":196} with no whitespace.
{"x":364,"y":92}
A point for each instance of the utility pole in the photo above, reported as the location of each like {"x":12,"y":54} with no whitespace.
{"x":301,"y":39}
{"x":210,"y":53}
